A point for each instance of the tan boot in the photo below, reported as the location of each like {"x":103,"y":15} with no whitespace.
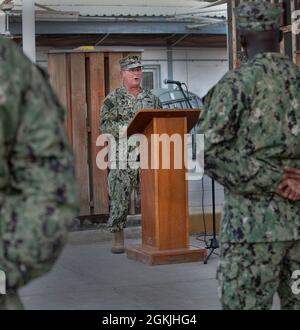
{"x":118,"y":245}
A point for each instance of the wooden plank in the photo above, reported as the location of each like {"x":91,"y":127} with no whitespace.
{"x":234,"y":36}
{"x":114,"y":70}
{"x":153,"y":257}
{"x":79,"y":123}
{"x":294,"y":37}
{"x":149,"y":196}
{"x":57,"y":68}
{"x":95,"y":101}
{"x":69,"y":118}
{"x":143,"y":117}
{"x":57,"y":71}
{"x":172,"y":207}
{"x":134,"y":39}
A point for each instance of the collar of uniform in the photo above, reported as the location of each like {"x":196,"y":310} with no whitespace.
{"x":270,"y":56}
{"x":123,"y":89}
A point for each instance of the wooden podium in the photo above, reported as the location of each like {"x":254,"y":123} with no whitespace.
{"x":164,"y":192}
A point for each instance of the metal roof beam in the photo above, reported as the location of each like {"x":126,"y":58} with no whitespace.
{"x":112,"y":27}
{"x":179,"y":40}
{"x":102,"y":39}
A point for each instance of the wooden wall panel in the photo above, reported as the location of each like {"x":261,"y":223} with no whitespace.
{"x":79,"y":124}
{"x":114,"y":70}
{"x":79,"y":79}
{"x":69,"y":118}
{"x":97,"y":95}
{"x":58,"y":71}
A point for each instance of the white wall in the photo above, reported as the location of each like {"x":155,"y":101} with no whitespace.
{"x":199,"y":68}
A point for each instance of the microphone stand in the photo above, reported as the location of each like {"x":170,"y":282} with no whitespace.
{"x":214,"y":244}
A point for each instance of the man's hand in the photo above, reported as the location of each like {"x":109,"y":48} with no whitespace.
{"x":289,"y":189}
{"x":292,"y":173}
{"x":289,"y":186}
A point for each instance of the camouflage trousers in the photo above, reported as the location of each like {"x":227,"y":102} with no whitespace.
{"x":250,"y":274}
{"x":31,"y":240}
{"x":120,"y":186}
{"x":11,"y":301}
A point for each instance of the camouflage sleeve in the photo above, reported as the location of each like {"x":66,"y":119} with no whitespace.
{"x":219,"y":122}
{"x":40,"y":199}
{"x":109,"y":123}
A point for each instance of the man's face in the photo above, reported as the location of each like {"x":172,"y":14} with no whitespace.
{"x":132,"y":78}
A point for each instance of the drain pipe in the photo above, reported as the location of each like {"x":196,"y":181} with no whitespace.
{"x":170,"y":65}
{"x":28,"y":27}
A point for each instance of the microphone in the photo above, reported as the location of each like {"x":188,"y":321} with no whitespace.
{"x":176,"y":82}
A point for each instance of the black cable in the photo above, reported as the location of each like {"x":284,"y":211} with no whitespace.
{"x":206,"y":236}
{"x":203,"y":213}
{"x":214,"y":243}
{"x":203,"y":218}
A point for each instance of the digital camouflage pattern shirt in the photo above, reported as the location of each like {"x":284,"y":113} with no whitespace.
{"x":120,"y":106}
{"x":38,"y":198}
{"x":251,"y":122}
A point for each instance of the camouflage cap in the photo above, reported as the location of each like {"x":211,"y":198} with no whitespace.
{"x":258,"y":15}
{"x":130,"y":62}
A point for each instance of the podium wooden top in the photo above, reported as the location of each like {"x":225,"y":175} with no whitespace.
{"x":144,"y":116}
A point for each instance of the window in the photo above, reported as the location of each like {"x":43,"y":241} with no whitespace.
{"x":148,"y":80}
{"x":151,"y":76}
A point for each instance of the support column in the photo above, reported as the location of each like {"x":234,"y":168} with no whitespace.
{"x":28,"y":27}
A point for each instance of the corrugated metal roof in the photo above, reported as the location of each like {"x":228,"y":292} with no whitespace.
{"x":139,"y":8}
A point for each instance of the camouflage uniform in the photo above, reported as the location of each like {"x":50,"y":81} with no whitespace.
{"x":118,"y":109}
{"x":37,"y":183}
{"x":251,"y":122}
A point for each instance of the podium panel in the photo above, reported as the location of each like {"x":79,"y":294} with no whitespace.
{"x":164,"y":188}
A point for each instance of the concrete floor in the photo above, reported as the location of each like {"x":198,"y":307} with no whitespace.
{"x":88,"y":276}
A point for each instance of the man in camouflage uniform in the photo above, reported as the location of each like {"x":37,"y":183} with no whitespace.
{"x":118,"y":109}
{"x":251,"y":122}
{"x":37,"y":184}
